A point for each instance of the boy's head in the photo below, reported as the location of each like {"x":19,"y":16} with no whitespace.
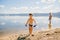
{"x":30,"y":15}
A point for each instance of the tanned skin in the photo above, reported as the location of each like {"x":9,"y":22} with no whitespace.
{"x":30,"y":21}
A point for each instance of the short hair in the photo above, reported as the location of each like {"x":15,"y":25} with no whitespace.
{"x":30,"y":14}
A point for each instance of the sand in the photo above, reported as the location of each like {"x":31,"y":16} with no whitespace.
{"x":53,"y":34}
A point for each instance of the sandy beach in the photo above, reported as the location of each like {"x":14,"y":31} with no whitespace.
{"x":53,"y":34}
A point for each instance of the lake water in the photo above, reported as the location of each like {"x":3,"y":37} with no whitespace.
{"x":17,"y":23}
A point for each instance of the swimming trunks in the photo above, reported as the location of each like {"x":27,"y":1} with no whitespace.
{"x":30,"y":25}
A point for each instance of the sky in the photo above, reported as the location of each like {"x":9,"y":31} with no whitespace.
{"x":29,"y":6}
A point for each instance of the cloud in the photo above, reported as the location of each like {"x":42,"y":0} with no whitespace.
{"x":3,"y":11}
{"x":22,"y":10}
{"x":15,"y":10}
{"x":39,"y":6}
{"x":59,"y":1}
{"x":52,"y":8}
{"x":2,"y":6}
{"x":18,"y":10}
{"x":48,"y":1}
{"x":57,"y":9}
{"x":37,"y":2}
{"x":43,"y":1}
{"x":35,"y":9}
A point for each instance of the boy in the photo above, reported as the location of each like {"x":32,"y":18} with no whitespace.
{"x":50,"y":17}
{"x":30,"y":23}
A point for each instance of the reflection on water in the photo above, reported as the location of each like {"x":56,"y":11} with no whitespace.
{"x":17,"y":23}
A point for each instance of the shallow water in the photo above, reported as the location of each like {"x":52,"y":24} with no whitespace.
{"x":17,"y":23}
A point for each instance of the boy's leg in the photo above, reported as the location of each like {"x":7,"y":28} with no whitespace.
{"x":49,"y":24}
{"x":49,"y":21}
{"x":30,"y":30}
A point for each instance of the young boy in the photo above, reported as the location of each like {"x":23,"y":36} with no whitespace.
{"x":30,"y":23}
{"x":50,"y":17}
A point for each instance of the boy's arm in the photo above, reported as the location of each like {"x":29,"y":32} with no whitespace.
{"x":27,"y":22}
{"x":35,"y":22}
